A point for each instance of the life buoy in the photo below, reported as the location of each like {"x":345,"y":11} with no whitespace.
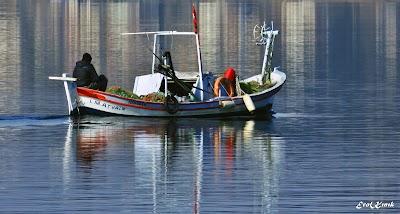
{"x":227,"y":84}
{"x":167,"y":101}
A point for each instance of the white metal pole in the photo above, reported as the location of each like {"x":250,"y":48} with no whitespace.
{"x":200,"y":67}
{"x":265,"y":61}
{"x":154,"y":52}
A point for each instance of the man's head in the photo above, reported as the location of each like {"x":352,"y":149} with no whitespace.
{"x":86,"y":57}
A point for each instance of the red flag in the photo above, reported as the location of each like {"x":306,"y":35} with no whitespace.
{"x":194,"y":19}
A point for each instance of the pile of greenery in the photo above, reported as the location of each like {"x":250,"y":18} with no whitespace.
{"x":121,"y":92}
{"x":254,"y":86}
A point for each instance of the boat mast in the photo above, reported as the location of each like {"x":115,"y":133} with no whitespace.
{"x":265,"y":36}
{"x":200,"y":64}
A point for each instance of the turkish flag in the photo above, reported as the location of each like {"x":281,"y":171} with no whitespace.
{"x":194,"y":19}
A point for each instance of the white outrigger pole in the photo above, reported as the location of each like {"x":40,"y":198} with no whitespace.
{"x":156,"y":35}
{"x":265,"y":35}
{"x":164,"y":33}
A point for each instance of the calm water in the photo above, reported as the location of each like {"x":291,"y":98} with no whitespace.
{"x":332,"y":145}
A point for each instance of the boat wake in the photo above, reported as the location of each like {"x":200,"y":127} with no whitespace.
{"x":300,"y":115}
{"x":32,"y":121}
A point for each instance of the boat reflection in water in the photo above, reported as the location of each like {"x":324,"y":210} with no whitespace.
{"x":178,"y":165}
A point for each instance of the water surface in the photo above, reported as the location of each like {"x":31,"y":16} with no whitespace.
{"x":331,"y":147}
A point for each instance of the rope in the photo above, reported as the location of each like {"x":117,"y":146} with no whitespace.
{"x":58,"y":84}
{"x":237,"y":84}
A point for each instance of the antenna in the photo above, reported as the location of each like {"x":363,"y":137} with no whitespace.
{"x":260,"y":33}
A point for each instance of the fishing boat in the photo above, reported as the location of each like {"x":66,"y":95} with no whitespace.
{"x":165,"y":92}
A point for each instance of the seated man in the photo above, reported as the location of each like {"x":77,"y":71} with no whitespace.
{"x":87,"y":75}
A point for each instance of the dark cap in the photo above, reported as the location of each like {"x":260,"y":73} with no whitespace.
{"x":86,"y":57}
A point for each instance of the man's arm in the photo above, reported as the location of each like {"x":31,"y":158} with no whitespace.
{"x":93,"y":74}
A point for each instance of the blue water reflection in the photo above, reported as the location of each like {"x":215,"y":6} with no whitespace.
{"x":332,"y":144}
{"x":174,"y":165}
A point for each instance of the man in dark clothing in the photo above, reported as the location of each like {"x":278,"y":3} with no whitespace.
{"x":87,"y":75}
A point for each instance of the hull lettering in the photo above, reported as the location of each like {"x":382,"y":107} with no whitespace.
{"x":107,"y":105}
